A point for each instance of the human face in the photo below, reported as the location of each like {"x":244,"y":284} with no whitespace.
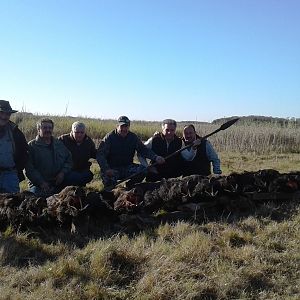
{"x":168,"y":131}
{"x":4,"y":118}
{"x":46,"y":130}
{"x":189,"y":134}
{"x":123,"y":130}
{"x":78,"y":135}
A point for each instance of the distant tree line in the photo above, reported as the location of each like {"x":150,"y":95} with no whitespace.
{"x":260,"y":119}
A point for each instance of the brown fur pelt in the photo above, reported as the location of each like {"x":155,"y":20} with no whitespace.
{"x":18,"y":209}
{"x":128,"y":201}
{"x":131,"y":200}
{"x":195,"y":188}
{"x":66,"y":204}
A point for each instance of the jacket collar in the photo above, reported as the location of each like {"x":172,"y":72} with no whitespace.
{"x":40,"y":141}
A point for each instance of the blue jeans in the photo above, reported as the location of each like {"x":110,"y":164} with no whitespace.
{"x":78,"y":178}
{"x":9,"y":182}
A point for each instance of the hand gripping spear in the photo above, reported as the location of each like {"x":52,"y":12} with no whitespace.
{"x":222,"y":127}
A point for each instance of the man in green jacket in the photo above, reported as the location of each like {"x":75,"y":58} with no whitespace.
{"x":49,"y":161}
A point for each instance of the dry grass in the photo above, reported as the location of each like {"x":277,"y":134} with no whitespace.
{"x":235,"y":162}
{"x":254,"y":258}
{"x":256,"y":138}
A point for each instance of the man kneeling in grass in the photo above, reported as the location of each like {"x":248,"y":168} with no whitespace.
{"x":49,"y":161}
{"x":82,"y":149}
{"x":116,"y":152}
{"x":204,"y":156}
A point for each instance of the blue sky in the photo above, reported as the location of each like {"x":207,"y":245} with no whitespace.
{"x":151,"y":60}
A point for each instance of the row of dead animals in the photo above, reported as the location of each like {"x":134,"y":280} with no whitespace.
{"x":187,"y":193}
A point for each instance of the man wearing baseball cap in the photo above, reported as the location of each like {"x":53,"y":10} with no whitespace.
{"x":13,"y":151}
{"x":116,"y":152}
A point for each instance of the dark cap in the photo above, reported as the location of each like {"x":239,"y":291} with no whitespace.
{"x":123,"y":120}
{"x":5,"y":107}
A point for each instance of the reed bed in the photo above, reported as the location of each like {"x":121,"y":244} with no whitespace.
{"x":255,"y":138}
{"x":252,"y":137}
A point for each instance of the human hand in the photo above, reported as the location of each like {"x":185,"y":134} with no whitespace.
{"x":160,"y":160}
{"x":59,"y":178}
{"x":156,"y":133}
{"x":196,"y":143}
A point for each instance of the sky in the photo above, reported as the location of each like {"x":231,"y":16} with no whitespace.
{"x":151,"y":59}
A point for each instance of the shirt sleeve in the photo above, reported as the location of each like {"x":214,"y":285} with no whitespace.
{"x":148,"y":143}
{"x":213,"y":157}
{"x":189,"y":153}
{"x":144,"y":151}
{"x":142,"y":159}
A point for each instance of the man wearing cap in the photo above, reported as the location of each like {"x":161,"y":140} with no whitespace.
{"x":82,"y":149}
{"x":116,"y":152}
{"x":13,"y":151}
{"x":49,"y":161}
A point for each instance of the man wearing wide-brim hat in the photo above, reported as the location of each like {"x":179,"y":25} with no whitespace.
{"x":13,"y":151}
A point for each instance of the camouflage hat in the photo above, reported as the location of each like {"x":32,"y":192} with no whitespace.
{"x":123,"y":120}
{"x":5,"y":107}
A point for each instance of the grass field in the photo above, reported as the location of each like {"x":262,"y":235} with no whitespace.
{"x":257,"y":256}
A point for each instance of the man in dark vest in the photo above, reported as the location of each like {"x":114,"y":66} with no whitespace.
{"x":205,"y":154}
{"x":165,"y":143}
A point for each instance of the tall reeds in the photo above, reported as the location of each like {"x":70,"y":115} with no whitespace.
{"x":252,"y":137}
